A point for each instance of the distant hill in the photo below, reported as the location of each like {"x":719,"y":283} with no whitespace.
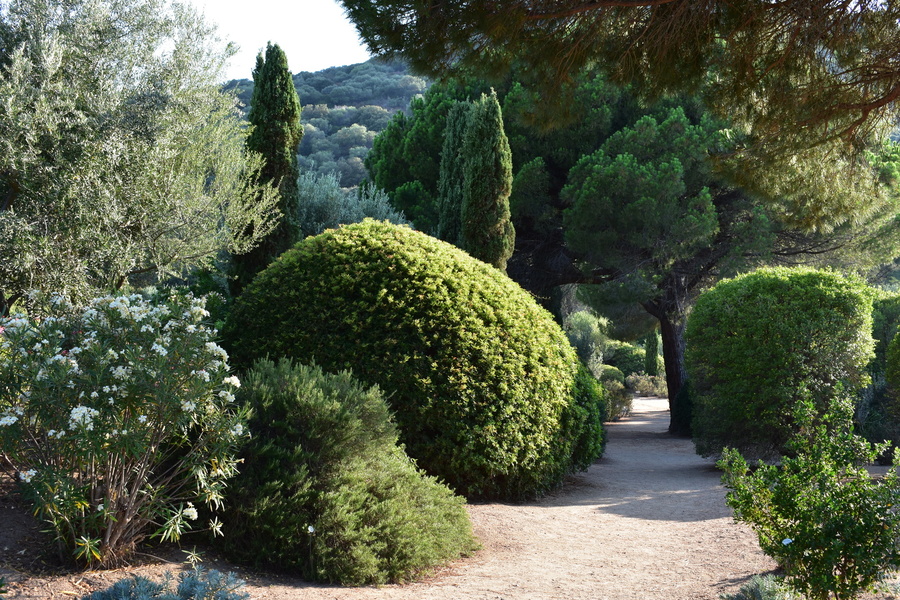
{"x":344,"y":108}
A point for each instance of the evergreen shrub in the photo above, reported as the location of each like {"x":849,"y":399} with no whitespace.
{"x":325,"y":491}
{"x":759,"y":344}
{"x":628,"y":358}
{"x":482,"y":381}
{"x":611,"y":373}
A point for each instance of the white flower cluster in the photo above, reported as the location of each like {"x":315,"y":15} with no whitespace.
{"x":188,"y":406}
{"x":237,"y":430}
{"x":190,"y":512}
{"x":8,"y":420}
{"x":120,"y":372}
{"x":232,"y":381}
{"x":217,"y":350}
{"x":28,"y":475}
{"x":82,"y":416}
{"x":202,"y":374}
{"x":226,"y":396}
{"x":156,"y":347}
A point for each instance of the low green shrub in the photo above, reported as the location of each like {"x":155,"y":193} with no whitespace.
{"x":618,"y":400}
{"x":828,"y":523}
{"x":759,"y":344}
{"x":649,"y":385}
{"x":192,"y":585}
{"x":481,"y":380}
{"x":325,"y":491}
{"x":628,"y":358}
{"x":765,"y":587}
{"x":610,"y":373}
{"x":587,"y":420}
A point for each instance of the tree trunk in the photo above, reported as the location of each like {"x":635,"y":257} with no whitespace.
{"x":671,"y":328}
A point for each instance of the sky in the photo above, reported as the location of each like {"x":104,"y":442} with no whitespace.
{"x":314,"y":34}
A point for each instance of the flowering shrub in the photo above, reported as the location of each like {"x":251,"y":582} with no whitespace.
{"x":831,"y":526}
{"x":118,"y":418}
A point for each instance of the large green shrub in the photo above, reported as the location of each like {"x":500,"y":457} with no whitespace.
{"x":628,"y":358}
{"x":480,"y":378}
{"x":325,"y":492}
{"x":760,"y":343}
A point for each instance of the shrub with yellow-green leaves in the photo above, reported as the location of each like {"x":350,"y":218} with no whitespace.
{"x":482,"y":381}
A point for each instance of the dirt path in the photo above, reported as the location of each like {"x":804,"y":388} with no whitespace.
{"x":647,"y":522}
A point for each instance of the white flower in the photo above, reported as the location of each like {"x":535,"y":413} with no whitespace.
{"x":204,"y":375}
{"x":112,"y":354}
{"x":100,"y":507}
{"x":311,"y":529}
{"x":8,"y":420}
{"x":159,"y":349}
{"x":190,"y":512}
{"x":226,"y":396}
{"x":216,"y":350}
{"x":232,"y":381}
{"x":188,"y":406}
{"x":120,"y":372}
{"x":95,"y":395}
{"x":82,"y":416}
{"x":237,"y":430}
{"x":142,"y":418}
{"x":146,"y":329}
{"x":786,"y":541}
{"x":26,"y":476}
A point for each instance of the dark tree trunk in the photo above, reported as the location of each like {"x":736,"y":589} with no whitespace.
{"x":671,"y":328}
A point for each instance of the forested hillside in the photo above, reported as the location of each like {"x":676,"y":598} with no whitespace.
{"x":343,"y":109}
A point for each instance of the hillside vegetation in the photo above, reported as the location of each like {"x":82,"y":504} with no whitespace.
{"x":344,"y":108}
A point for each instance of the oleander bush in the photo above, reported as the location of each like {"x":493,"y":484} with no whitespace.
{"x":481,"y":380}
{"x":118,"y":416}
{"x":759,"y":344}
{"x":191,"y":585}
{"x":325,"y":491}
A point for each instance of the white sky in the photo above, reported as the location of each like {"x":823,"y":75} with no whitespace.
{"x":314,"y":34}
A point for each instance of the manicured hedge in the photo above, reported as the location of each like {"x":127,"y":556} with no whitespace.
{"x":759,"y":343}
{"x":481,"y":380}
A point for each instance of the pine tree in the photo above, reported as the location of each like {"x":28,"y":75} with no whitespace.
{"x":487,"y":231}
{"x":275,"y":116}
{"x":452,"y":172}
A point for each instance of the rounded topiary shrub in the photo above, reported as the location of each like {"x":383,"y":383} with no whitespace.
{"x":325,"y":491}
{"x":481,"y":380}
{"x":760,"y":343}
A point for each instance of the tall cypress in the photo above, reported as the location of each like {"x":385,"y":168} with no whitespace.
{"x":276,"y":134}
{"x":487,"y":230}
{"x":452,"y":173}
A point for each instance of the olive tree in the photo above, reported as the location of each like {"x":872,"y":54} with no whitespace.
{"x":120,"y":158}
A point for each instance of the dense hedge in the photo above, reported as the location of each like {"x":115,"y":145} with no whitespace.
{"x":481,"y":379}
{"x":326,"y":493}
{"x":759,"y":343}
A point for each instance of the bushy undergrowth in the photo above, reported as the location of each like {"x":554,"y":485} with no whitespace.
{"x":481,"y":379}
{"x":828,"y":523}
{"x":759,"y":344}
{"x":325,"y":492}
{"x":618,"y":400}
{"x":193,"y":585}
{"x":649,"y":385}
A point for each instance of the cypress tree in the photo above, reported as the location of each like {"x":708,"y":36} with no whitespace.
{"x":452,"y":172}
{"x":275,"y":117}
{"x":651,"y":353}
{"x":486,"y":229}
